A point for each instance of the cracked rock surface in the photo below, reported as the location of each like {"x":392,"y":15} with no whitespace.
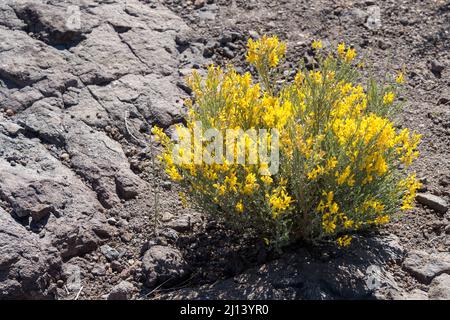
{"x":65,"y":93}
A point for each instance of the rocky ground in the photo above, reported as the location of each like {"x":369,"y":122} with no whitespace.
{"x":86,"y":214}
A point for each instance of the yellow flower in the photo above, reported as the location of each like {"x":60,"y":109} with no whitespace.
{"x":344,"y":241}
{"x":266,"y":51}
{"x":389,"y":97}
{"x":329,"y":226}
{"x":334,"y":208}
{"x":407,"y":145}
{"x":317,"y":171}
{"x":267,"y":180}
{"x":350,"y":55}
{"x":279,"y":201}
{"x":329,"y":195}
{"x":250,"y":178}
{"x":381,"y":220}
{"x":264,"y":169}
{"x":341,"y":50}
{"x":317,"y":44}
{"x":250,"y":184}
{"x":240,"y":207}
{"x":157,"y":131}
{"x":299,"y":77}
{"x":348,"y":224}
{"x":331,"y":163}
{"x":410,"y":186}
{"x":231,"y":180}
{"x":400,"y":79}
{"x":343,"y":176}
{"x":315,"y":76}
{"x":221,"y":189}
{"x":160,"y":136}
{"x":377,"y":207}
{"x":276,"y":114}
{"x":173,"y":173}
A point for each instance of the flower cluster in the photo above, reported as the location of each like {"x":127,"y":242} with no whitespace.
{"x":265,"y":52}
{"x":342,"y":161}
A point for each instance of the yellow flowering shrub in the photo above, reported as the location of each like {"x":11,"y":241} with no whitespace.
{"x":342,"y":160}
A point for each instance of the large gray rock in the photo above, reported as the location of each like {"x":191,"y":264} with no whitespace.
{"x":104,"y":57}
{"x":425,"y":266}
{"x":150,"y":96}
{"x":110,"y":253}
{"x":67,"y":89}
{"x":163,"y":265}
{"x":122,"y":291}
{"x":93,"y":155}
{"x":29,"y":177}
{"x":440,"y":288}
{"x":25,"y":61}
{"x":24,"y":261}
{"x":48,"y":23}
{"x":415,"y":294}
{"x":9,"y":19}
{"x":434,"y":202}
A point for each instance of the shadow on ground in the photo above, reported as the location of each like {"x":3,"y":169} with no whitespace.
{"x":321,"y":272}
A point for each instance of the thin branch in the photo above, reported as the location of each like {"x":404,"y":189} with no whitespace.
{"x":152,"y":152}
{"x":78,"y":294}
{"x":125,"y":117}
{"x":155,"y":289}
